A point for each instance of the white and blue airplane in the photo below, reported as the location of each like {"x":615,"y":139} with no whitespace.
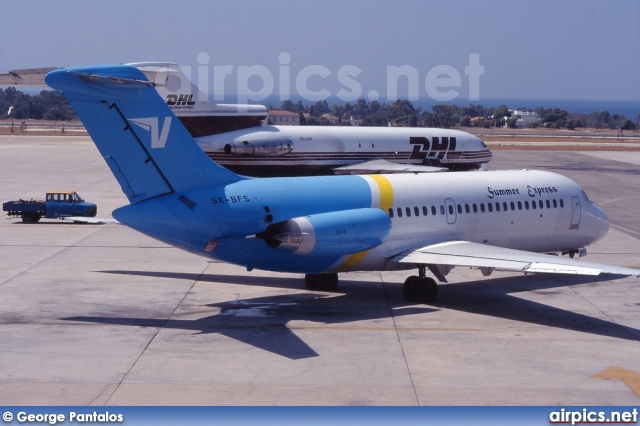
{"x":323,"y":225}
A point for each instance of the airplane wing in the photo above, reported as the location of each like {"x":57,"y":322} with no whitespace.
{"x":384,"y":166}
{"x":464,"y":253}
{"x":26,"y":77}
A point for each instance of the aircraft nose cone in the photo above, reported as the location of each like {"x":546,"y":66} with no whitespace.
{"x":601,"y":223}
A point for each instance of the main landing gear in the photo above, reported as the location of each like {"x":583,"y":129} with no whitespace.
{"x":416,"y":289}
{"x":420,"y":289}
{"x":322,"y":282}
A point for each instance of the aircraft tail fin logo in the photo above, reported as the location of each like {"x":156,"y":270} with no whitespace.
{"x":148,"y":150}
{"x":150,"y":124}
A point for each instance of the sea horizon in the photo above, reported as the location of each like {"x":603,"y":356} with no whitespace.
{"x":629,"y":108}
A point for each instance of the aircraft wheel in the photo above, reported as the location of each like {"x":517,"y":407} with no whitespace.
{"x":323,"y":282}
{"x":328,"y":282}
{"x":430,"y":290}
{"x":420,"y":290}
{"x":311,"y":281}
{"x":411,"y":289}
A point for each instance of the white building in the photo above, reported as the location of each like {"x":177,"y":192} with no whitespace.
{"x":524,"y":117}
{"x":283,"y":118}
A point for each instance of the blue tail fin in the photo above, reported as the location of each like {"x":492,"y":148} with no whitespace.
{"x":147,"y":148}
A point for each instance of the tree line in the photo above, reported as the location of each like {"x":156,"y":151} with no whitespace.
{"x":52,"y":105}
{"x":403,"y":113}
{"x":47,"y":105}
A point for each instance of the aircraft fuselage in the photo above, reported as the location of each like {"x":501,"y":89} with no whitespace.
{"x":526,"y":210}
{"x":296,"y":150}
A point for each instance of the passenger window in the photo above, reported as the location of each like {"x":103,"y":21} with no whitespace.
{"x":425,"y":211}
{"x":399,"y":212}
{"x":505,"y":206}
{"x":416,"y":211}
{"x":408,"y":212}
{"x":475,"y":208}
{"x":513,"y":206}
{"x":450,"y":209}
{"x":433,"y":210}
{"x":533,"y":205}
{"x":466,"y":208}
{"x":482,"y":207}
{"x":526,"y":205}
{"x":459,"y":208}
{"x":548,"y":204}
{"x":490,"y":207}
{"x":555,"y":204}
{"x":391,"y":212}
{"x":497,"y":207}
{"x":561,"y":203}
{"x":519,"y":205}
{"x":442,"y":210}
{"x":541,"y":204}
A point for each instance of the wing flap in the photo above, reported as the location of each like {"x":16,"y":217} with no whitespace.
{"x":465,"y":253}
{"x":551,"y":268}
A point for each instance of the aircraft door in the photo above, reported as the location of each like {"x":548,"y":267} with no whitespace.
{"x":450,"y":207}
{"x":575,"y":212}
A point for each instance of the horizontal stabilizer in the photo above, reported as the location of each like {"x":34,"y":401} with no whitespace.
{"x":112,"y":80}
{"x":26,"y":77}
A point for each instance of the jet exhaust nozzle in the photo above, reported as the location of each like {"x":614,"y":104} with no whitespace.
{"x":335,"y":233}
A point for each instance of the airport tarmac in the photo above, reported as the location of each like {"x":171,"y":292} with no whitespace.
{"x":102,"y":315}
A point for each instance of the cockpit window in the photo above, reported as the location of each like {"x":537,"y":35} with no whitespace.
{"x":586,"y":198}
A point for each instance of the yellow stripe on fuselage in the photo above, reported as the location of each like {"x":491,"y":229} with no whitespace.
{"x":351,"y":261}
{"x":386,"y":191}
{"x":386,"y":202}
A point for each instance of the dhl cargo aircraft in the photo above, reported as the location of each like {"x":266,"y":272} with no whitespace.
{"x":234,"y":137}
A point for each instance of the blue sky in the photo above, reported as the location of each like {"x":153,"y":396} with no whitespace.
{"x":528,"y":50}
